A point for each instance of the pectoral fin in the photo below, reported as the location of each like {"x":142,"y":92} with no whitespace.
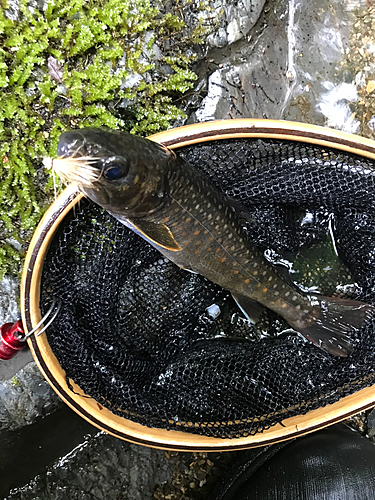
{"x":158,"y":234}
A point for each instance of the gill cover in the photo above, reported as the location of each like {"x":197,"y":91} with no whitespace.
{"x":130,"y":178}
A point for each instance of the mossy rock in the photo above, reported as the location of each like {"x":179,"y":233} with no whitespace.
{"x":79,"y":63}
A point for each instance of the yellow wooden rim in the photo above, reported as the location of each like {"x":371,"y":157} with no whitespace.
{"x":266,"y":129}
{"x":121,"y":427}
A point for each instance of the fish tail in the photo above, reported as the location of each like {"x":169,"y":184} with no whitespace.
{"x":337,"y":318}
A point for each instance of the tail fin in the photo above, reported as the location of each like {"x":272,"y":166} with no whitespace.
{"x":337,"y":318}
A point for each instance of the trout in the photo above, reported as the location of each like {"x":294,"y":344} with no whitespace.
{"x":175,"y":208}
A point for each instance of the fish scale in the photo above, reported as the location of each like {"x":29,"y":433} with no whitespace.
{"x":223,"y":255}
{"x":174,"y":207}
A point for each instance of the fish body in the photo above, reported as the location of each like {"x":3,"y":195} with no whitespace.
{"x":178,"y":211}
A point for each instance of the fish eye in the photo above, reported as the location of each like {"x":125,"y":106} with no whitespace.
{"x":113,"y":172}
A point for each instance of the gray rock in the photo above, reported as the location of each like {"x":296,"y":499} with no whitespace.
{"x":236,"y":18}
{"x":9,"y":313}
{"x":283,"y":72}
{"x":13,"y":7}
{"x":218,"y":39}
{"x":12,"y":10}
{"x":252,"y":80}
{"x":217,"y":102}
{"x":102,"y":467}
{"x":9,"y":368}
{"x":131,"y":81}
{"x":25,"y":397}
{"x":371,"y":422}
{"x":334,"y":105}
{"x":9,"y":291}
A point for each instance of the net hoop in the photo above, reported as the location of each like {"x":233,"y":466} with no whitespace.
{"x":136,"y":433}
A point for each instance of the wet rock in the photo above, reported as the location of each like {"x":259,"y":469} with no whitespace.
{"x":282,"y":68}
{"x":9,"y":290}
{"x":9,"y":368}
{"x":9,"y":313}
{"x":358,"y":423}
{"x":217,"y":102}
{"x":334,"y":105}
{"x":12,"y":10}
{"x":236,"y":19}
{"x":40,"y":5}
{"x":252,"y":81}
{"x":194,"y":476}
{"x":13,"y":7}
{"x":219,"y":38}
{"x":102,"y":467}
{"x":25,"y":397}
{"x":371,"y":424}
{"x":286,"y":69}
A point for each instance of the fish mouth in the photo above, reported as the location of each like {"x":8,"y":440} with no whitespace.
{"x":76,"y":161}
{"x":80,"y":170}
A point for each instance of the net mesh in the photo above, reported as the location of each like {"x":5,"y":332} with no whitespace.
{"x":134,"y":331}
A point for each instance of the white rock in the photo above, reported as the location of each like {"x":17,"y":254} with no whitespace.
{"x":334,"y":105}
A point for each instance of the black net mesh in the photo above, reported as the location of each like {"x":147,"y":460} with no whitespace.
{"x":134,"y":331}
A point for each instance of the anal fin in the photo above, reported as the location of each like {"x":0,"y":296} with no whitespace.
{"x":250,"y":308}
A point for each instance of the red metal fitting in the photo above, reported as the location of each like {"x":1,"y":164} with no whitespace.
{"x":11,"y":335}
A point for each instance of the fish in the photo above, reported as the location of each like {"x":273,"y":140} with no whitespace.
{"x":175,"y":208}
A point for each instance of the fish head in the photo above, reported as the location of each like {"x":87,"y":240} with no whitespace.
{"x":122,"y":173}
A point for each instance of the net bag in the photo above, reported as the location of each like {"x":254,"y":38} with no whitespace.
{"x":168,"y":349}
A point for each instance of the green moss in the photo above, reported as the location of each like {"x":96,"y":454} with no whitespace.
{"x":100,"y":45}
{"x":15,"y":382}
